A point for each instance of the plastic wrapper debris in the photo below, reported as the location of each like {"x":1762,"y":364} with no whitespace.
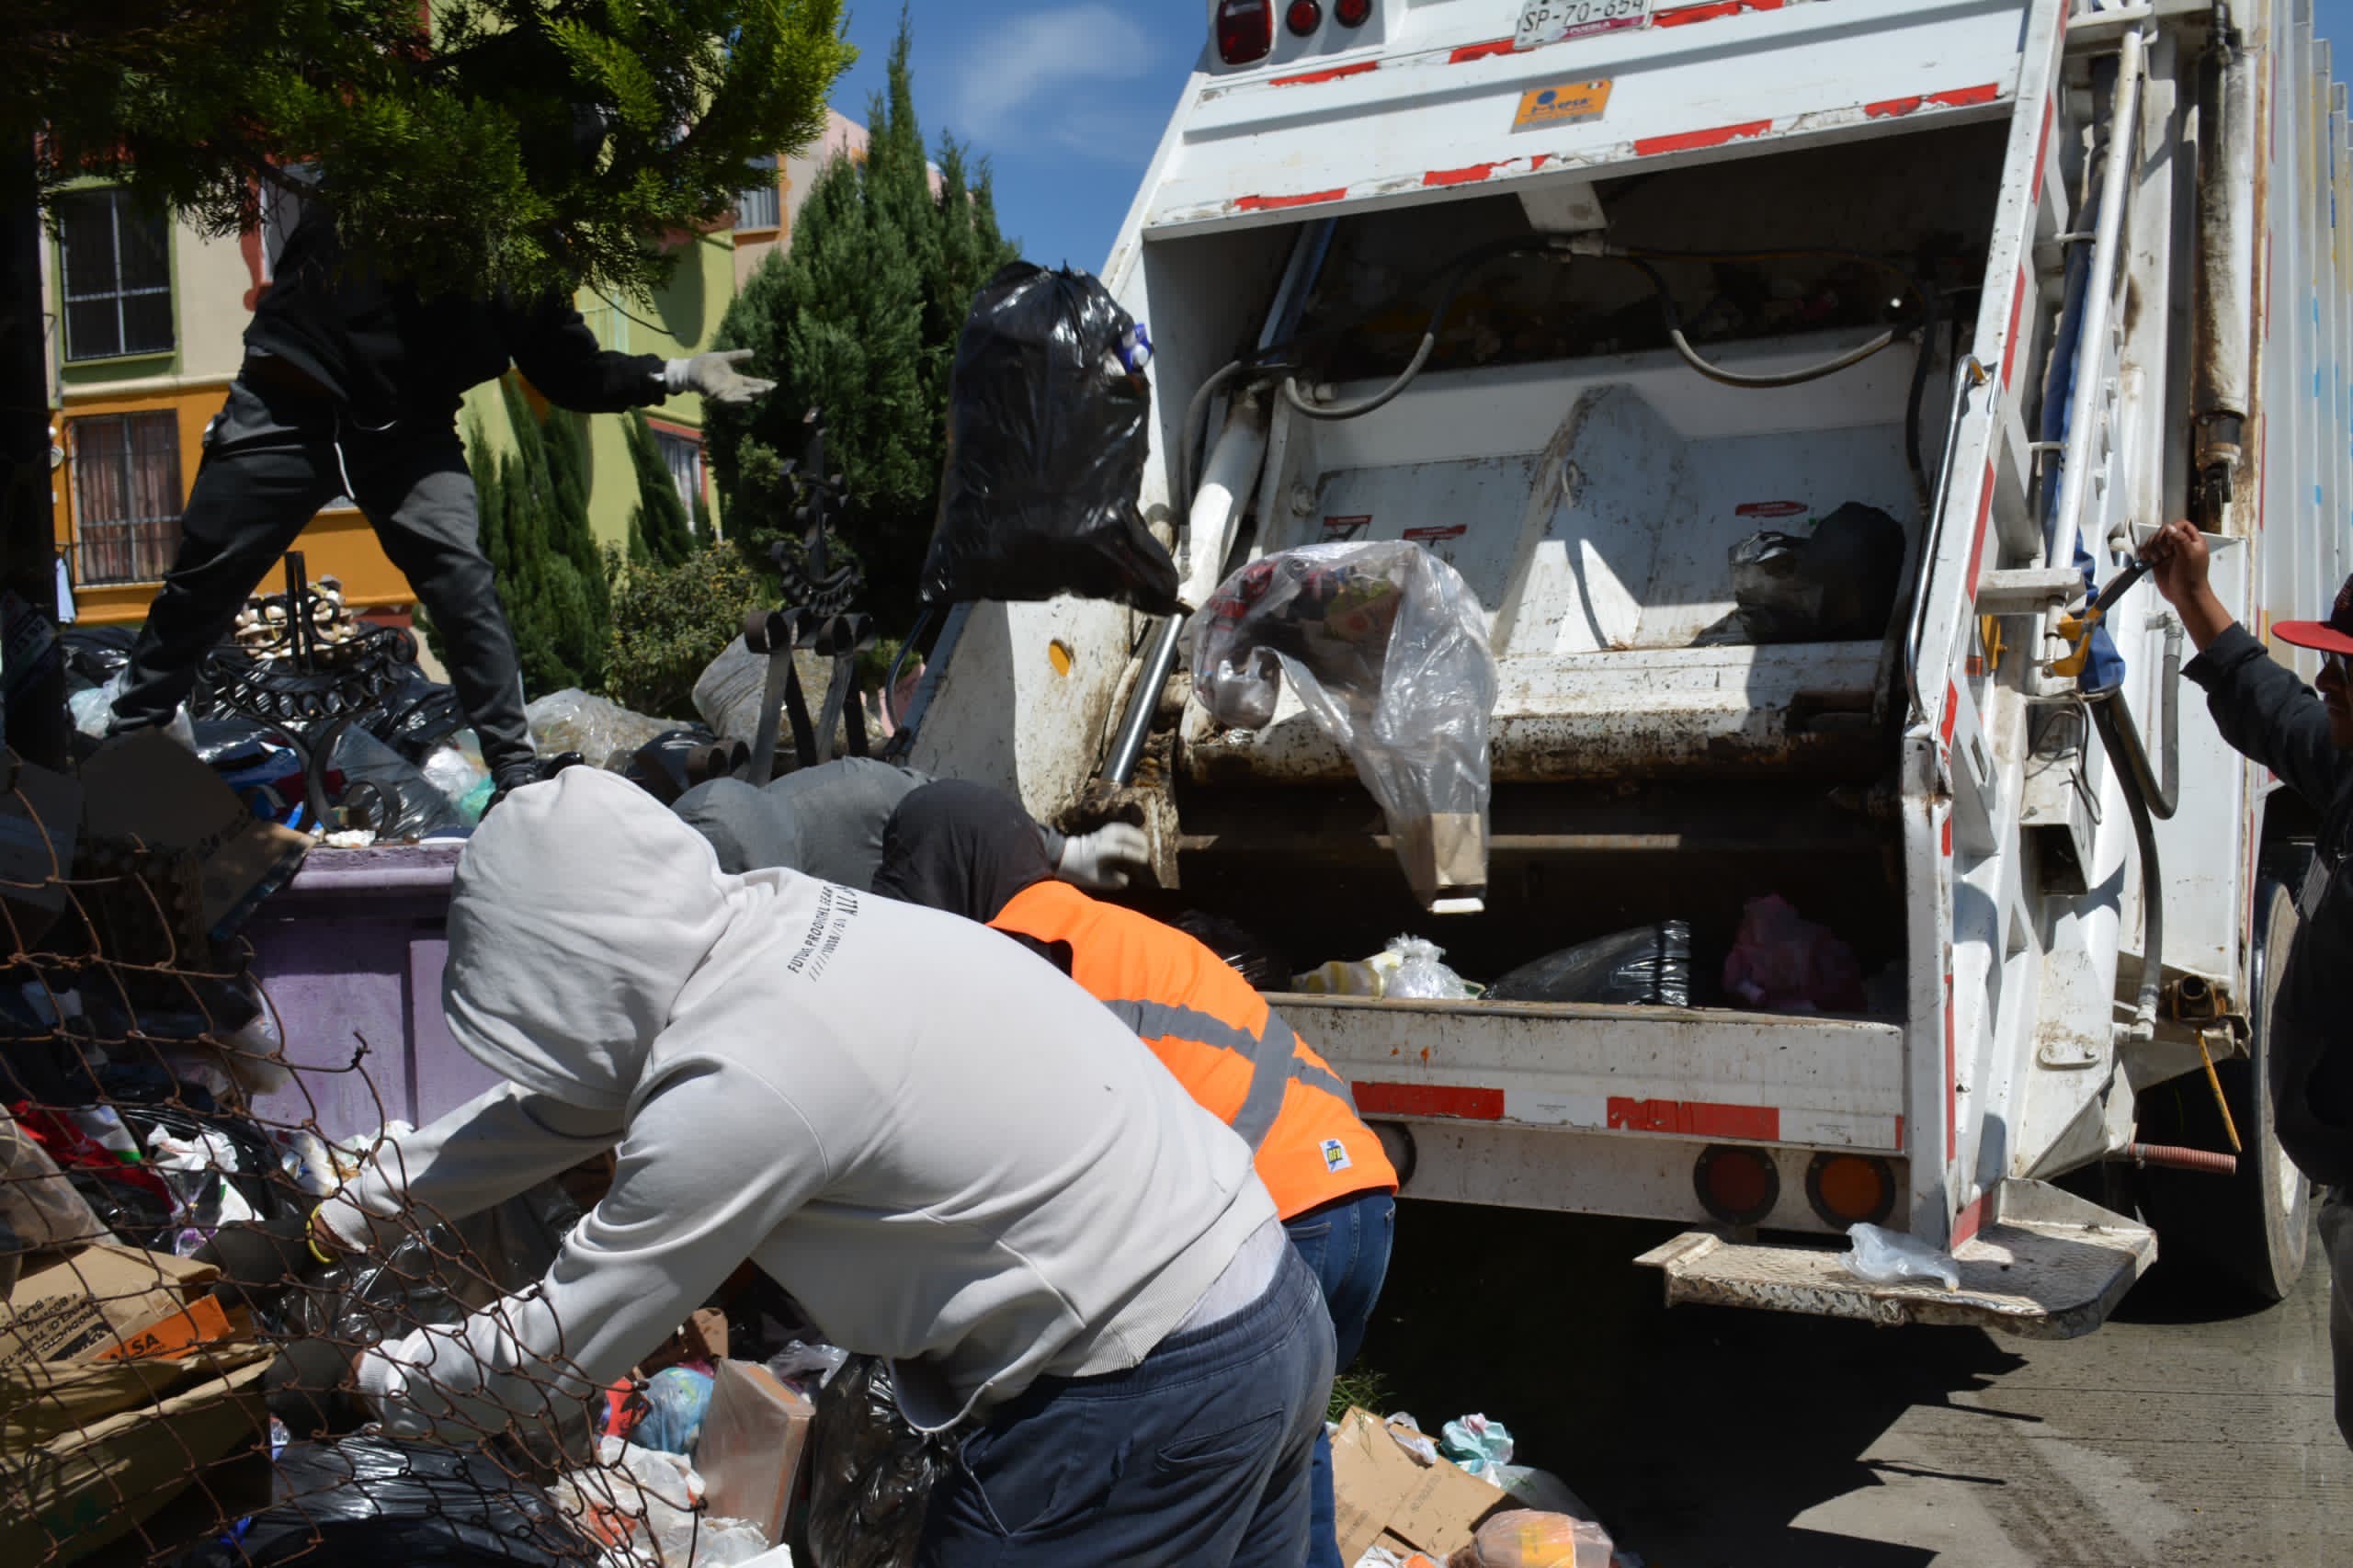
{"x":806,"y":1367}
{"x":1889,"y":1257}
{"x":1785,"y":964}
{"x":1523,"y":1539}
{"x":605,"y":732}
{"x":375,"y":1502}
{"x":1649,"y":966}
{"x":870,"y":1473}
{"x":454,"y":767}
{"x":1250,"y":955}
{"x":1478,"y":1445}
{"x":193,"y":1168}
{"x":1386,"y":647}
{"x":643,"y":1506}
{"x":1836,"y":584}
{"x":676,"y":1398}
{"x":93,"y":708}
{"x":413,"y":806}
{"x":1409,"y":1436}
{"x":1047,"y":435}
{"x":729,"y":692}
{"x":1420,"y":976}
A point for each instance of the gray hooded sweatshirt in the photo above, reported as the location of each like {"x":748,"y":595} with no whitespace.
{"x":949,"y":1153}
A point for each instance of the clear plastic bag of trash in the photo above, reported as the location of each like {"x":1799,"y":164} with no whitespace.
{"x":729,"y":692}
{"x":872,"y":1474}
{"x":1889,"y":1257}
{"x":645,"y":1505}
{"x":1478,"y":1445}
{"x":1836,"y":585}
{"x":1387,"y":648}
{"x":1785,"y":964}
{"x":1408,"y":968}
{"x":1047,"y":435}
{"x":807,"y":1366}
{"x":1649,"y":966}
{"x":605,"y":732}
{"x":454,"y":767}
{"x":414,"y":806}
{"x":1521,"y":1538}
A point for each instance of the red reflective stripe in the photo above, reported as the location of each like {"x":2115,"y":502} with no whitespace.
{"x":1334,"y":74}
{"x":1968,"y":1222}
{"x":1977,"y":540}
{"x":1891,"y":109}
{"x":1952,"y":710}
{"x":1963,"y":97}
{"x":2043,"y":149}
{"x":2010,"y":346}
{"x":1712,"y":10}
{"x":1429,"y":1099}
{"x":1691,"y":140}
{"x":1469,"y":174}
{"x":1696,"y":1118}
{"x":1487,"y":50}
{"x":1276,"y":203}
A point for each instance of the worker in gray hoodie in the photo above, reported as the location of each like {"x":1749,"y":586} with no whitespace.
{"x":946,"y":1152}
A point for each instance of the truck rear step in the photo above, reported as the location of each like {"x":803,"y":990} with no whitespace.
{"x":2047,"y":1266}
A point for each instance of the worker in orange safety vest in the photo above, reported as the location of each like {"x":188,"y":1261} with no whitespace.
{"x":971,"y":850}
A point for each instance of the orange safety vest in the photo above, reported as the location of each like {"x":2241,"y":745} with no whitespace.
{"x":1232,"y":1053}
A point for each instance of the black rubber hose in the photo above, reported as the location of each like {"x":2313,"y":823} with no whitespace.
{"x":2125,"y":754}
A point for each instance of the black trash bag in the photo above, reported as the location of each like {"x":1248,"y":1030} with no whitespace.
{"x":402,"y":802}
{"x":95,"y":655}
{"x":1836,"y":585}
{"x":872,"y":1473}
{"x":415,"y":716}
{"x":1255,"y":959}
{"x":1647,"y":967}
{"x":377,"y":1503}
{"x":1046,"y":444}
{"x":676,"y":760}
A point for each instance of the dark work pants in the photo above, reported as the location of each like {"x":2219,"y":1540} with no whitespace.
{"x":1195,"y":1458}
{"x":1347,"y":1246}
{"x":270,"y":462}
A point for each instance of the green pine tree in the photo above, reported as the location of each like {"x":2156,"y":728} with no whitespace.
{"x":860,"y":317}
{"x":659,"y":518}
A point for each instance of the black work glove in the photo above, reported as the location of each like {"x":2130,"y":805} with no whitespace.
{"x":259,"y":1258}
{"x":308,"y":1387}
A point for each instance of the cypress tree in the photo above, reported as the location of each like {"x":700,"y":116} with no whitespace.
{"x":860,"y":317}
{"x":659,"y":517}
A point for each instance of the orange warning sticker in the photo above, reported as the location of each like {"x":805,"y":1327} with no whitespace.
{"x":1563,"y":103}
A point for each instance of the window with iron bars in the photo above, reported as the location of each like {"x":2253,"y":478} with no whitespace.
{"x":115,"y":257}
{"x":756,"y":208}
{"x":126,"y":496}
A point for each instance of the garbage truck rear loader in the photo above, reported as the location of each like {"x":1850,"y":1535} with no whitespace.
{"x":1581,"y":294}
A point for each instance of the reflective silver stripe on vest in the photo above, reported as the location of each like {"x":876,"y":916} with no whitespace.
{"x":1272,"y":1055}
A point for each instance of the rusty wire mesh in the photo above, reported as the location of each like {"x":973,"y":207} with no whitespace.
{"x":129,"y":1434}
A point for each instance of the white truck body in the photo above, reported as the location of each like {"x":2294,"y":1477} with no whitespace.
{"x":1936,"y":795}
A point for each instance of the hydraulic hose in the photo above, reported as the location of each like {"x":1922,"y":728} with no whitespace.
{"x":2132,"y":769}
{"x":891,"y":681}
{"x":1180,"y":499}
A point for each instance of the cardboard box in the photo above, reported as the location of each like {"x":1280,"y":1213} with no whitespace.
{"x":148,"y":787}
{"x":749,"y":1453}
{"x":1387,"y":1497}
{"x":85,"y":1303}
{"x":93,"y":1486}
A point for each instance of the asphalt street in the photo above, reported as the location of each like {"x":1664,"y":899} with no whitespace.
{"x":2192,"y":1429}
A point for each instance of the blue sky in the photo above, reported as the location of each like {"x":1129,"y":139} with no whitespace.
{"x":1067,"y":100}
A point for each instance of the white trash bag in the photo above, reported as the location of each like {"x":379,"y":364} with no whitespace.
{"x":1387,"y":647}
{"x":1890,"y":1258}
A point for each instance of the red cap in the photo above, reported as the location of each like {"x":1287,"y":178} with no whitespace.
{"x":2334,"y":635}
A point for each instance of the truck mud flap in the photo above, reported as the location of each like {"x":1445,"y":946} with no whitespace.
{"x":2048,"y":1266}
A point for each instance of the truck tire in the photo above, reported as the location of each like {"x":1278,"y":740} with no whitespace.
{"x":2251,"y":1229}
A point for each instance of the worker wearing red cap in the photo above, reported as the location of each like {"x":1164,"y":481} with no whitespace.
{"x":2306,"y":738}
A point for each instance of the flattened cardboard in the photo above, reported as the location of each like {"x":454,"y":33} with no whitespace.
{"x":83,"y":1304}
{"x":149,"y":786}
{"x":1385,"y":1497}
{"x":752,"y":1437}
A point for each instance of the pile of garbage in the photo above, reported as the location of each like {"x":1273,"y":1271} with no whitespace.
{"x":1779,"y":961}
{"x":1407,"y":1500}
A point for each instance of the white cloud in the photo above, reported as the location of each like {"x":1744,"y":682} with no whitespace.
{"x":1044,"y":77}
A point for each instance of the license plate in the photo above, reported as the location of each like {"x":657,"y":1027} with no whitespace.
{"x":1549,"y":21}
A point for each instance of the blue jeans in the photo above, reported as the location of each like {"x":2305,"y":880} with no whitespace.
{"x":1199,"y":1455}
{"x":1346,"y":1244}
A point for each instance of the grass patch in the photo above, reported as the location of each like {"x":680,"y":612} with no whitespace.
{"x":1360,"y":1385}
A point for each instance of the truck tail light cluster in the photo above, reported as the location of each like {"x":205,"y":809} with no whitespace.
{"x":1246,"y":30}
{"x":1304,"y":16}
{"x":1847,"y":1190}
{"x":1737,"y":1185}
{"x":1353,"y":13}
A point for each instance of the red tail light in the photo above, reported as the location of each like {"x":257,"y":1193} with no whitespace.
{"x":1246,"y":30}
{"x":1304,"y":17}
{"x":1738,"y":1186}
{"x":1353,"y":13}
{"x":1845,"y":1189}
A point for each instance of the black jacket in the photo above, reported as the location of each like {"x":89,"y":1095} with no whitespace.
{"x":375,"y":347}
{"x":2269,"y":715}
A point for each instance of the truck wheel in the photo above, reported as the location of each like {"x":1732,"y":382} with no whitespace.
{"x":2251,"y":1229}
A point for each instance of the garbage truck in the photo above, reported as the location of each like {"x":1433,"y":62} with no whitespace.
{"x":1583,"y":296}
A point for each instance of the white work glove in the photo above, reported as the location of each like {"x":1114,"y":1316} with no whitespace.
{"x":1104,"y":859}
{"x":716,"y":378}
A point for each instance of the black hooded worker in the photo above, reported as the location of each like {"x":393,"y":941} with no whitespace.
{"x":2306,"y":739}
{"x":970,"y":850}
{"x":350,"y":386}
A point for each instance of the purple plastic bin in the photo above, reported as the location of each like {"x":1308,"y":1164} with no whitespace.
{"x":352,"y":950}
